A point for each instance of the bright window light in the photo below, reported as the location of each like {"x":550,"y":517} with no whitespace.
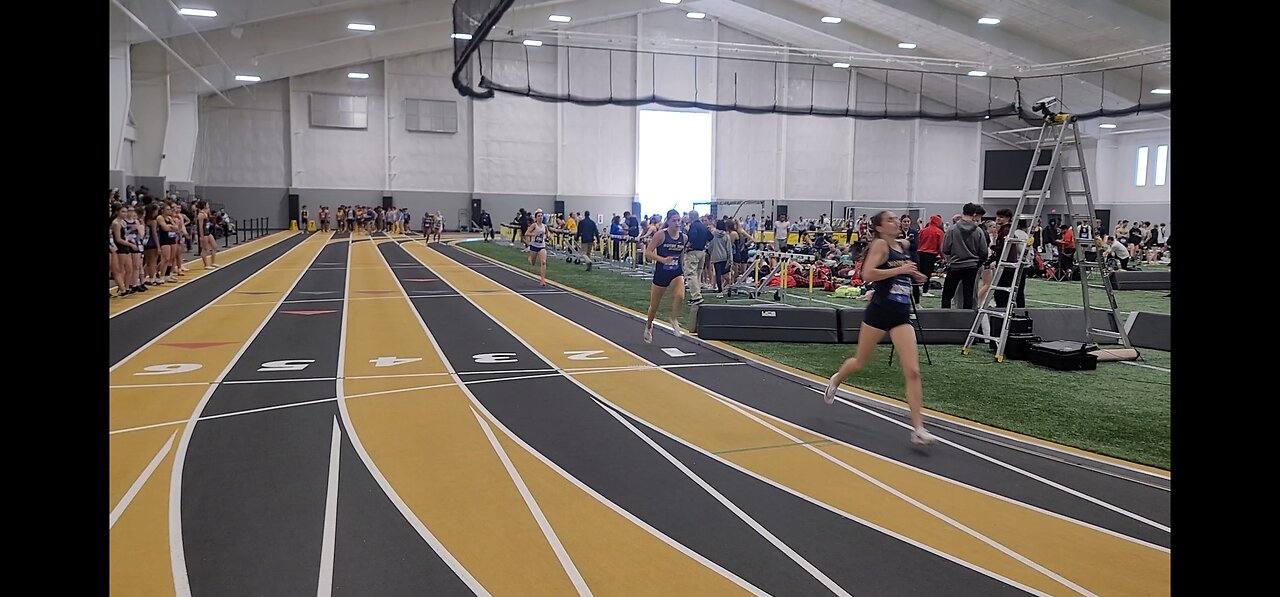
{"x":907,"y":46}
{"x":675,"y":160}
{"x":841,"y":65}
{"x":360,"y":27}
{"x":1140,"y":172}
{"x":696,"y":15}
{"x":669,"y":1}
{"x":831,"y":20}
{"x":532,"y":42}
{"x":357,"y":75}
{"x":1162,"y":163}
{"x":197,"y":12}
{"x":559,"y":18}
{"x":1160,"y":91}
{"x":1106,"y":125}
{"x":461,"y":36}
{"x":989,"y":21}
{"x":977,"y":73}
{"x":248,"y":78}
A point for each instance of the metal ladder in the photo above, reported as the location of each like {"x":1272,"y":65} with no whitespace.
{"x":1059,"y":130}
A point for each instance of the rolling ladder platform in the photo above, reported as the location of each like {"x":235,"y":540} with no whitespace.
{"x":1071,"y":182}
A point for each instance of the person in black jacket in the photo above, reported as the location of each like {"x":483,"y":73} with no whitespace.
{"x":486,"y":223}
{"x":909,"y":232}
{"x":587,"y":233}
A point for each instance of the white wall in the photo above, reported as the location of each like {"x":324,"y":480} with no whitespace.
{"x":119,"y":82}
{"x":427,"y":161}
{"x":180,"y":137}
{"x":598,"y":143}
{"x":245,"y":145}
{"x":335,"y":158}
{"x":1117,"y":157}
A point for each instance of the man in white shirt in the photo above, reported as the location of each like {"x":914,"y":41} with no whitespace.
{"x":1116,"y":249}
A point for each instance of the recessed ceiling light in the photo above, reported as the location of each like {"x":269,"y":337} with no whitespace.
{"x":669,"y":1}
{"x":907,"y":46}
{"x":841,"y":65}
{"x":197,"y":12}
{"x":360,"y":27}
{"x":559,"y":18}
{"x":532,"y":42}
{"x":357,"y":75}
{"x":248,"y":78}
{"x":977,"y":73}
{"x":831,"y":20}
{"x":989,"y":21}
{"x":1106,"y":125}
{"x":461,"y":36}
{"x":1160,"y":91}
{"x":696,"y":15}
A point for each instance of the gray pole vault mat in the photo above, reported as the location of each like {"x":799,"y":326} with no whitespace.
{"x":1152,"y":280}
{"x":1150,"y":330}
{"x":767,"y":323}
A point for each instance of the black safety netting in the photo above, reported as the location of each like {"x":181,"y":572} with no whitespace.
{"x":596,"y":76}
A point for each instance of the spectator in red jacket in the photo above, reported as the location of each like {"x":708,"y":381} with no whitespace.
{"x":929,"y":248}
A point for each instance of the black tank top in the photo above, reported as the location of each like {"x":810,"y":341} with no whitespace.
{"x":893,"y":292}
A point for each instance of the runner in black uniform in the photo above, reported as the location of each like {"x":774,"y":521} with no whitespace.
{"x":665,"y":250}
{"x":889,"y":311}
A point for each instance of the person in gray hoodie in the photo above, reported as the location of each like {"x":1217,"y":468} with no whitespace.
{"x":965,"y":248}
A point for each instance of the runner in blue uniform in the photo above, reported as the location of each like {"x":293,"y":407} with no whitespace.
{"x":537,"y":233}
{"x":664,"y":250}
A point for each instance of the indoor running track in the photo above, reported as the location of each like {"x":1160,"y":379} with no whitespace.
{"x":374,"y":416}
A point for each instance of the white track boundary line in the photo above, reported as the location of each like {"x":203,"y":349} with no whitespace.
{"x":184,"y":283}
{"x":201,"y":309}
{"x":699,"y":481}
{"x":324,"y":588}
{"x":177,"y":551}
{"x":128,"y":496}
{"x":387,"y":489}
{"x":917,"y":503}
{"x":834,"y":510}
{"x":727,"y":401}
{"x":1003,"y":464}
{"x":476,"y":405}
{"x":891,"y":403}
{"x":549,"y":533}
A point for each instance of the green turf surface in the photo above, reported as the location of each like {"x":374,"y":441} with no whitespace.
{"x":1120,"y":409}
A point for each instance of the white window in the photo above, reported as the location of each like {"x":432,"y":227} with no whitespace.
{"x":1162,"y":163}
{"x":1140,"y":173}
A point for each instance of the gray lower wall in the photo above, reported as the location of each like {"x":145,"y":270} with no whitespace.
{"x":116,"y":180}
{"x":155,"y":184}
{"x":244,"y":203}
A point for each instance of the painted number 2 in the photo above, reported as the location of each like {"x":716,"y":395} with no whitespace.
{"x":584,"y":355}
{"x":393,"y":361}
